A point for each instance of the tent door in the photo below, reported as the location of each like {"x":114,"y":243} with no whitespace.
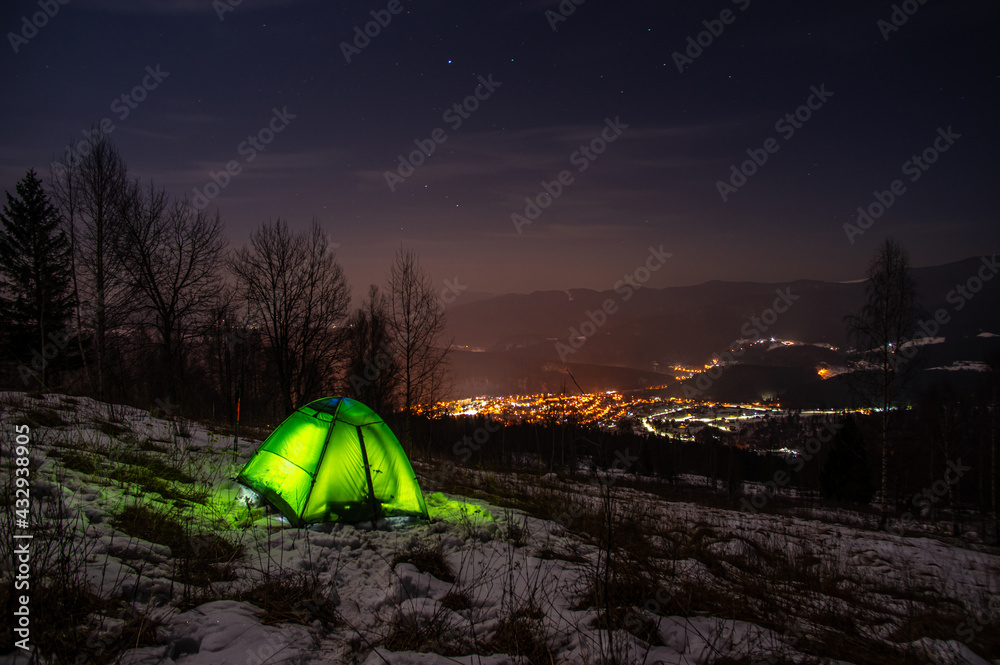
{"x":319,"y":465}
{"x":368,"y":476}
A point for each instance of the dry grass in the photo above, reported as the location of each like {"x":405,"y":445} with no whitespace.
{"x":762,"y":574}
{"x":67,"y":622}
{"x":155,"y":464}
{"x":41,"y":417}
{"x":292,"y":597}
{"x":435,"y":634}
{"x":77,"y":460}
{"x":201,"y":559}
{"x":153,"y":445}
{"x":520,"y":634}
{"x":149,"y":482}
{"x":426,"y":560}
{"x":514,"y":530}
{"x":559,"y":555}
{"x":456,"y":601}
{"x":70,"y":622}
{"x":110,"y":428}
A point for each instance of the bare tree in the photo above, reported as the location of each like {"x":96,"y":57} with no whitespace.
{"x":65,"y":191}
{"x":88,"y":191}
{"x":170,"y":254}
{"x":298,"y":292}
{"x":886,"y":322}
{"x":416,"y":323}
{"x":373,"y":375}
{"x":224,"y":344}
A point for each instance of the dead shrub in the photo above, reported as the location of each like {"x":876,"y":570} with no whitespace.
{"x":292,"y":597}
{"x":79,"y":461}
{"x":201,"y":560}
{"x":44,"y":418}
{"x":520,"y":634}
{"x":426,"y":560}
{"x":456,"y":601}
{"x":109,"y":428}
{"x":67,"y":619}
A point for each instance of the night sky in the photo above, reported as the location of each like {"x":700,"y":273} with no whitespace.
{"x":550,"y":93}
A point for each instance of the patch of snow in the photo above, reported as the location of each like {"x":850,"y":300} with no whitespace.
{"x":963,"y":365}
{"x":494,"y":573}
{"x":383,"y":657}
{"x":922,"y":341}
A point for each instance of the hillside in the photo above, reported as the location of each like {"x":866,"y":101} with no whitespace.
{"x":144,"y":551}
{"x":650,"y":330}
{"x":497,"y":373}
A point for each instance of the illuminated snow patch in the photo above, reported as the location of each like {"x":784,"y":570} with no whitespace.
{"x":922,"y":341}
{"x":964,"y":365}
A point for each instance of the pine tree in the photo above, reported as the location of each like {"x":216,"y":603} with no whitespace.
{"x":35,"y":280}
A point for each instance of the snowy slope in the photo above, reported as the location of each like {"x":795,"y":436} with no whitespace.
{"x":716,"y":585}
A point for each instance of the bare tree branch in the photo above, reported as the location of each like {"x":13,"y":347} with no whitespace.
{"x":299,"y":294}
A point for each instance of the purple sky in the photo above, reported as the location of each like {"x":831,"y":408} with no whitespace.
{"x":655,"y":184}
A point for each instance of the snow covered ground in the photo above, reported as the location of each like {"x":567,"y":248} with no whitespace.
{"x":221,"y":583}
{"x":964,"y":365}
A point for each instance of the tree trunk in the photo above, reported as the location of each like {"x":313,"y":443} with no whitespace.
{"x":993,"y":469}
{"x":884,"y":502}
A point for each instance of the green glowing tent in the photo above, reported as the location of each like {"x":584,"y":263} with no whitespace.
{"x":335,"y":459}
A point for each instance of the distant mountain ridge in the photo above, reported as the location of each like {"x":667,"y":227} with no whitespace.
{"x":651,"y":329}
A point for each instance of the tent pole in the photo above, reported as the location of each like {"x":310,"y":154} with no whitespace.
{"x":368,"y":475}
{"x":236,"y":432}
{"x":319,"y":462}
